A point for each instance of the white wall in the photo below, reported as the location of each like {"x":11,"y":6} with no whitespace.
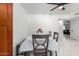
{"x":74,"y":28}
{"x":45,"y":22}
{"x":20,"y":25}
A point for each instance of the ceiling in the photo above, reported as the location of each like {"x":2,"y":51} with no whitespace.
{"x":44,"y":8}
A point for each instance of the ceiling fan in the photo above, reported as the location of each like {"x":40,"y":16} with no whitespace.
{"x":59,"y":5}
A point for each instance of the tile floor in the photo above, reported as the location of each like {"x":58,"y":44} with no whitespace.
{"x":70,"y":47}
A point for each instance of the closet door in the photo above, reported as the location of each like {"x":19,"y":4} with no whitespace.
{"x":6,"y":13}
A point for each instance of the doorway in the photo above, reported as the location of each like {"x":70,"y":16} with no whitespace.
{"x":66,"y":28}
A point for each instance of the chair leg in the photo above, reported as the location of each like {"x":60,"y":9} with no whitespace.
{"x":28,"y":53}
{"x":55,"y":53}
{"x":50,"y":53}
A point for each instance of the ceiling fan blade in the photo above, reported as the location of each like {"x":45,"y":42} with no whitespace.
{"x":63,"y":3}
{"x":58,"y":3}
{"x":53,"y":3}
{"x":54,"y":8}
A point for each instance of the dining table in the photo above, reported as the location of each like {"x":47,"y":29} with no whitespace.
{"x":27,"y":45}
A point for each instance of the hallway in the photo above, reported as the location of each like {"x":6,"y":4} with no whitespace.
{"x":71,"y":47}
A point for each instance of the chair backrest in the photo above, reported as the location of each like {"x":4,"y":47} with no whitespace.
{"x":55,"y":36}
{"x":40,"y":41}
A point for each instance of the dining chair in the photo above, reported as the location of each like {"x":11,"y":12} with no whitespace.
{"x":40,"y":45}
{"x":23,"y":53}
{"x":17,"y":49}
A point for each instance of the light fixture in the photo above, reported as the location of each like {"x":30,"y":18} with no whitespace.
{"x":61,"y":7}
